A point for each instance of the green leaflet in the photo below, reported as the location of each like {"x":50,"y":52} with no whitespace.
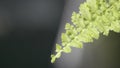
{"x":84,"y":10}
{"x":106,"y":30}
{"x":94,"y":17}
{"x":65,"y":38}
{"x":84,"y":36}
{"x":105,"y":20}
{"x":93,"y":32}
{"x":69,"y":32}
{"x":93,"y":5}
{"x":115,"y":26}
{"x":76,"y":43}
{"x":58,"y":47}
{"x":67,"y":49}
{"x":68,"y":26}
{"x":53,"y":58}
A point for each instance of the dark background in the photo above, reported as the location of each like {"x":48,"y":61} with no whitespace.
{"x":27,"y":32}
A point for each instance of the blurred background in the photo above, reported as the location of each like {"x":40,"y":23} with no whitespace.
{"x":27,"y":32}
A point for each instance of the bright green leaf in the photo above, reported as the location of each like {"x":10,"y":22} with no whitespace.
{"x":76,"y":44}
{"x":58,"y":47}
{"x":53,"y":59}
{"x":65,"y":38}
{"x":52,"y":55}
{"x":68,"y":26}
{"x":67,"y":49}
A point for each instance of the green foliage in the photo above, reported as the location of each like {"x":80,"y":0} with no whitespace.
{"x":95,"y":17}
{"x":58,"y":47}
{"x":67,"y":49}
